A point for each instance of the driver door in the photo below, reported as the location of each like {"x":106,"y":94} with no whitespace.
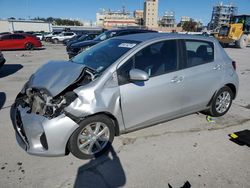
{"x":147,"y":102}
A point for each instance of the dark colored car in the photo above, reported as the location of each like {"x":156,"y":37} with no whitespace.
{"x":75,"y":38}
{"x":78,"y":47}
{"x":2,"y":60}
{"x":89,"y":36}
{"x":19,"y":41}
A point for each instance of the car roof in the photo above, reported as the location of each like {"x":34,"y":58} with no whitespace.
{"x":141,"y":37}
{"x":129,"y":29}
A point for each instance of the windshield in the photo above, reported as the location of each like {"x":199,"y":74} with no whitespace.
{"x":105,"y":35}
{"x":238,"y":20}
{"x":102,"y":55}
{"x":83,"y":37}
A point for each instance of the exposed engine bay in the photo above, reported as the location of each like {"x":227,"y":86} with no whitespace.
{"x":40,"y":102}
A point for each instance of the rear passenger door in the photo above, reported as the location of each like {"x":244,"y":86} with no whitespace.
{"x":202,"y":75}
{"x":18,"y":41}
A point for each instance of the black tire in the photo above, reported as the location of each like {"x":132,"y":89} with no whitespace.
{"x":29,"y":46}
{"x":242,"y":42}
{"x":213,"y":111}
{"x":224,"y":45}
{"x":55,"y":41}
{"x":73,"y":143}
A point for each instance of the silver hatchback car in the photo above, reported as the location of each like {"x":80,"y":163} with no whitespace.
{"x":120,"y":85}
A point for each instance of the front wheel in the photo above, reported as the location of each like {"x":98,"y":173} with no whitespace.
{"x":29,"y":46}
{"x":221,"y":102}
{"x":93,"y":137}
{"x":242,"y":42}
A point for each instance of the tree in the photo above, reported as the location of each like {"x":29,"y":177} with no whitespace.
{"x":190,"y":26}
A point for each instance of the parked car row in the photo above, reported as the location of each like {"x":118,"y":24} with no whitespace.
{"x":80,"y":38}
{"x":19,"y":41}
{"x":78,"y":46}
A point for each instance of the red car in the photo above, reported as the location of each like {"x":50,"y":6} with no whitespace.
{"x":19,"y":41}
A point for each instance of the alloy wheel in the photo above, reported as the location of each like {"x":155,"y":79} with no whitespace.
{"x":93,"y":138}
{"x":223,"y":102}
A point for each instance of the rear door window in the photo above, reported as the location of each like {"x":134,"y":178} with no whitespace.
{"x":198,"y":52}
{"x":18,"y":37}
{"x":6,"y":37}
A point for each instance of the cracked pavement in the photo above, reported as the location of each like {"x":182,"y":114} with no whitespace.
{"x":184,"y":149}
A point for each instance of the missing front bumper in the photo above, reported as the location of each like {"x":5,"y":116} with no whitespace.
{"x":40,"y":136}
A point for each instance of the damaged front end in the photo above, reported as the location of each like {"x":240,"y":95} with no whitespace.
{"x":41,"y":103}
{"x":41,"y":124}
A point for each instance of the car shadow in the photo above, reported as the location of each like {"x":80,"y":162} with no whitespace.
{"x":103,"y":172}
{"x":9,"y":69}
{"x":35,"y":49}
{"x":2,"y":99}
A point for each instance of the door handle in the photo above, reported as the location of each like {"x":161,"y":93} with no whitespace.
{"x":177,"y":79}
{"x":217,"y":67}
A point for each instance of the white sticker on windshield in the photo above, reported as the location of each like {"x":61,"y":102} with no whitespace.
{"x":127,"y":45}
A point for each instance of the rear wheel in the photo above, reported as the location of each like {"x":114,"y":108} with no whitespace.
{"x":93,"y":137}
{"x":242,"y":42}
{"x":56,"y":41}
{"x":29,"y":46}
{"x":221,"y":102}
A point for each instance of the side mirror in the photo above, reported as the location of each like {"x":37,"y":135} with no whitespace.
{"x":138,"y":75}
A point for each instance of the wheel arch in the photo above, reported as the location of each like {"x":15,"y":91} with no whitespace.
{"x":231,"y":86}
{"x":113,"y":118}
{"x":233,"y":89}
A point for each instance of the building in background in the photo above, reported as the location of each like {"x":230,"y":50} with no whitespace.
{"x":183,"y":20}
{"x":168,"y":20}
{"x":109,"y":19}
{"x":221,"y":15}
{"x":150,"y":13}
{"x":12,"y":25}
{"x":138,"y":15}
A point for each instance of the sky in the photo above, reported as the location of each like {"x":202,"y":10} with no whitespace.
{"x":86,"y":9}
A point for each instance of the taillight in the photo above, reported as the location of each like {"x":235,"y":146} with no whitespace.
{"x":234,"y":65}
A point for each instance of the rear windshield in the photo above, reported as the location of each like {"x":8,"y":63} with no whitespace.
{"x":102,"y":55}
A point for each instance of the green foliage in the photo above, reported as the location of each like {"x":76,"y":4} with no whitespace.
{"x":59,"y":21}
{"x":190,"y":26}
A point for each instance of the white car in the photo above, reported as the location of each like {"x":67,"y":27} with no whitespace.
{"x":48,"y":37}
{"x":62,"y":36}
{"x":39,"y":35}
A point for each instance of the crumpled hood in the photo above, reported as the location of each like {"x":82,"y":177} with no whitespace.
{"x":55,"y":76}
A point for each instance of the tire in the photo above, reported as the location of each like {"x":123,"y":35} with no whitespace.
{"x":29,"y":46}
{"x":224,"y":45}
{"x":242,"y":42}
{"x":223,"y":97}
{"x":85,"y":143}
{"x":55,"y":41}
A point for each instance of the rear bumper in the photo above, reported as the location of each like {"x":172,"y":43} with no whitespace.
{"x":40,"y":136}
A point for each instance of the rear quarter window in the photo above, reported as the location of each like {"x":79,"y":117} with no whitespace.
{"x":199,"y":52}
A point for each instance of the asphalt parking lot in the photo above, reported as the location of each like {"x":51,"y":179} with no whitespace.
{"x":185,"y":149}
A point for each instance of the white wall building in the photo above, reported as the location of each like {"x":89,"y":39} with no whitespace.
{"x":109,"y":19}
{"x":24,"y":25}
